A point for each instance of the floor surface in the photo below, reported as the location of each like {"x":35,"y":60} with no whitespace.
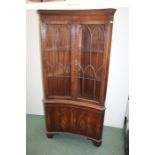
{"x":38,"y":144}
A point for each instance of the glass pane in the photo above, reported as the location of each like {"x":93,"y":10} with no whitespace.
{"x":91,"y":61}
{"x":57,"y":59}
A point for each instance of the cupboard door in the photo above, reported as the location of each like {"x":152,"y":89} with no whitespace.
{"x":91,"y":61}
{"x":56,"y":59}
{"x":76,"y":120}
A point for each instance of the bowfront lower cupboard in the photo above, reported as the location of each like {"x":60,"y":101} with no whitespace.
{"x":75,"y":61}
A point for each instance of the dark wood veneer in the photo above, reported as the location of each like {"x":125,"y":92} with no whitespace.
{"x":75,"y":61}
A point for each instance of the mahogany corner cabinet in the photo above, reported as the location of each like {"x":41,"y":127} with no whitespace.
{"x":75,"y":60}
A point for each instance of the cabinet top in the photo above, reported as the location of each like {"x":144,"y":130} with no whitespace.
{"x":79,"y":12}
{"x":74,"y":16}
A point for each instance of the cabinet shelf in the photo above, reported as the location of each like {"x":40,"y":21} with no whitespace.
{"x":69,"y":76}
{"x":63,"y":50}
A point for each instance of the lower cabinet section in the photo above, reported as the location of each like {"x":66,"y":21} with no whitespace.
{"x":74,"y":119}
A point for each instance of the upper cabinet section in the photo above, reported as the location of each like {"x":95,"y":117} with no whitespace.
{"x":75,"y":53}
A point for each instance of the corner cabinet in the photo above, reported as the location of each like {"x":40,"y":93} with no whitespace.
{"x":75,"y":61}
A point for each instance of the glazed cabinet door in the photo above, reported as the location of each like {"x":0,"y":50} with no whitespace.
{"x":56,"y":54}
{"x":75,"y":59}
{"x":92,"y":60}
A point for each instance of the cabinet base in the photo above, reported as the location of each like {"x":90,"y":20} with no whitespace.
{"x":97,"y":143}
{"x":74,"y":120}
{"x":49,"y":135}
{"x":94,"y":141}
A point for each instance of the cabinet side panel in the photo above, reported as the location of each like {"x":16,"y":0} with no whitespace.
{"x":107,"y":48}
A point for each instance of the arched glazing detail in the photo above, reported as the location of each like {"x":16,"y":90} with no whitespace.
{"x":85,"y":45}
{"x":89,"y":82}
{"x":63,"y":44}
{"x":51,"y":44}
{"x":80,"y":78}
{"x":57,"y":57}
{"x":89,"y":72}
{"x":91,"y":60}
{"x":97,"y":46}
{"x":99,"y":73}
{"x":67,"y":78}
